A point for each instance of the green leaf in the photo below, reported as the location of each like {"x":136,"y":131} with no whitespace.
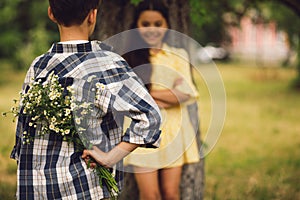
{"x":135,"y":2}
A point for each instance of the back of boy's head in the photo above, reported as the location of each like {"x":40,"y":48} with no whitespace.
{"x":72,"y":12}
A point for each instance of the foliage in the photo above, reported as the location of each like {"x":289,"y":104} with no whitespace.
{"x":283,"y":16}
{"x":209,"y":17}
{"x":22,"y":36}
{"x":10,"y":33}
{"x":38,"y":42}
{"x":28,"y":32}
{"x":287,"y":20}
{"x":135,"y":2}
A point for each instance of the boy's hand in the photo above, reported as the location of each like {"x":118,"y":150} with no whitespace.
{"x":110,"y":158}
{"x":90,"y":162}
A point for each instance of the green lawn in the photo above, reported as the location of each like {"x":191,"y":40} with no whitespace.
{"x":257,"y":155}
{"x":10,"y":85}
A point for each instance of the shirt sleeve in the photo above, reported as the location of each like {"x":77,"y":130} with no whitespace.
{"x":134,"y":100}
{"x":130,"y":97}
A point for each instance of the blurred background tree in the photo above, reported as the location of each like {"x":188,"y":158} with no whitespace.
{"x":207,"y":21}
{"x":26,"y":23}
{"x":26,"y":30}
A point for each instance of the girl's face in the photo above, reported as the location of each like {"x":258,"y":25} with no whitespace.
{"x":152,"y":27}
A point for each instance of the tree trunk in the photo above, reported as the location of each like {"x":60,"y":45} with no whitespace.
{"x":179,"y":15}
{"x":116,"y":16}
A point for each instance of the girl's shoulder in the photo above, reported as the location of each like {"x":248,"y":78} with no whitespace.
{"x":177,"y":51}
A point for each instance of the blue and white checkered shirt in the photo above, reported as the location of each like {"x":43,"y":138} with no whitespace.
{"x":50,"y":168}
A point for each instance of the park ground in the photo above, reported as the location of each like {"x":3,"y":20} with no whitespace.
{"x":257,"y":155}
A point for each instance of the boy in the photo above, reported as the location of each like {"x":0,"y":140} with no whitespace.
{"x":49,"y":168}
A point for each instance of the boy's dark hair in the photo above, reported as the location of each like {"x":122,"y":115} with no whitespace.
{"x":72,"y":12}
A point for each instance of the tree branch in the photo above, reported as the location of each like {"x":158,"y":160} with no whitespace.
{"x":292,"y":4}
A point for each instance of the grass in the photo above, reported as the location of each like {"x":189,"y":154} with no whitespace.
{"x":10,"y":85}
{"x":257,"y":155}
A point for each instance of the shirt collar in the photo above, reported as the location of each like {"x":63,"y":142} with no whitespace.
{"x":74,"y":42}
{"x":84,"y":47}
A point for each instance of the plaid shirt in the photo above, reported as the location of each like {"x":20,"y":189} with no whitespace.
{"x":50,"y":168}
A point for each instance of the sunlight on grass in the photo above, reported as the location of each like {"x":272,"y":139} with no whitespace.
{"x":258,"y":153}
{"x":10,"y":85}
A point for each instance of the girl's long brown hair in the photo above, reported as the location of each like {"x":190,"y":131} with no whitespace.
{"x":139,"y":59}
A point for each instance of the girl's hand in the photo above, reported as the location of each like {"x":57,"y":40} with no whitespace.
{"x":177,"y":82}
{"x":162,"y":104}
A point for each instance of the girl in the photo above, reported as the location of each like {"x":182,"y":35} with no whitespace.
{"x":166,"y":73}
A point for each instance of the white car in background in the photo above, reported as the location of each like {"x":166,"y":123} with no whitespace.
{"x":209,"y":53}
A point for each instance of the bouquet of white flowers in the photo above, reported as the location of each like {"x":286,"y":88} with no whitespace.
{"x":52,"y":106}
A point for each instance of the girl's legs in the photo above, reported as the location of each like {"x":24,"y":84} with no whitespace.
{"x":148,"y":184}
{"x":170,"y":183}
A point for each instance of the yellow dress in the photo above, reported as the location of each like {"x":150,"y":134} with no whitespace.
{"x":178,"y":143}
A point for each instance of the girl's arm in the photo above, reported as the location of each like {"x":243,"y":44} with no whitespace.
{"x":162,"y":104}
{"x":171,"y":97}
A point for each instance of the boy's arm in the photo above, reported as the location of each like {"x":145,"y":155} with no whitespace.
{"x":127,"y":95}
{"x":112,"y":157}
{"x":133,"y":100}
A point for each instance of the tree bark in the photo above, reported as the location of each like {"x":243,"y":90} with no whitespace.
{"x":179,"y":15}
{"x":115,"y":16}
